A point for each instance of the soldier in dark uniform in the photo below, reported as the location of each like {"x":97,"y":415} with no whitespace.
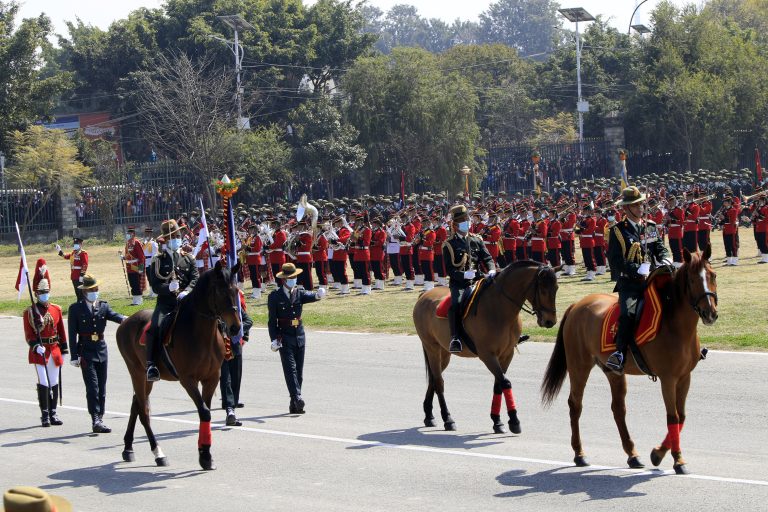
{"x":634,"y":246}
{"x":87,"y":321}
{"x":232,"y":370}
{"x":462,"y":253}
{"x":172,"y":276}
{"x":287,"y":331}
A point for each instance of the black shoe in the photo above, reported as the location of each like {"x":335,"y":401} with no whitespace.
{"x":99,"y":427}
{"x":300,"y":406}
{"x":455,"y":346}
{"x":615,"y":361}
{"x":292,"y":407}
{"x":54,"y":418}
{"x":240,"y":405}
{"x":45,"y":420}
{"x":153,"y":374}
{"x":232,"y":420}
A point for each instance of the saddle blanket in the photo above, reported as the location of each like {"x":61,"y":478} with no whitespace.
{"x":650,"y":317}
{"x":465,"y":304}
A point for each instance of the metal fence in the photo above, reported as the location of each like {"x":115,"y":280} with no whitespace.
{"x":27,"y":207}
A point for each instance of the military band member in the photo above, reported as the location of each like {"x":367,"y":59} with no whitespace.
{"x":441,"y":235}
{"x":275,"y":249}
{"x":761,"y":228}
{"x":587,"y":241}
{"x":634,"y":248}
{"x":378,"y":252}
{"x":705,"y":222}
{"x":87,"y":320}
{"x":463,"y":252}
{"x":47,"y":340}
{"x":691,"y":226}
{"x":339,"y":259}
{"x":286,"y":330}
{"x":553,"y":238}
{"x":567,"y":239}
{"x":731,"y":231}
{"x":538,"y":236}
{"x":254,"y":246}
{"x":172,"y":276}
{"x":521,"y":249}
{"x":405,"y":237}
{"x":394,"y":232}
{"x":78,"y":263}
{"x":601,"y":244}
{"x":303,"y":253}
{"x":133,"y":258}
{"x":509,"y":236}
{"x":320,"y":257}
{"x":361,"y":258}
{"x":674,"y":222}
{"x":427,"y":255}
{"x":150,"y":251}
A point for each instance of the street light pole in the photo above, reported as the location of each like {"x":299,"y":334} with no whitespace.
{"x":629,"y":30}
{"x":238,"y":23}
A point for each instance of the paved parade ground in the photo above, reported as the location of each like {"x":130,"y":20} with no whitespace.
{"x":361,"y":446}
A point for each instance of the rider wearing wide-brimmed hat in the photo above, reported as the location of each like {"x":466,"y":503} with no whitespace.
{"x":172,"y":276}
{"x":634,"y":247}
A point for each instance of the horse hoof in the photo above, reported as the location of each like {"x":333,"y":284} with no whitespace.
{"x":128,"y":456}
{"x":634,"y":463}
{"x":681,"y":469}
{"x":450,"y":425}
{"x":514,"y":427}
{"x":657,"y":456}
{"x":161,"y":461}
{"x":499,"y":429}
{"x":430,"y":422}
{"x":580,"y":461}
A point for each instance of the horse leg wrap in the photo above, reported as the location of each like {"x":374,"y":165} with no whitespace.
{"x":509,"y":399}
{"x":204,"y":437}
{"x":672,"y":441}
{"x":496,"y":405}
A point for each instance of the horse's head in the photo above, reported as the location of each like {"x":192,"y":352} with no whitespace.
{"x":542,"y":296}
{"x":701,"y":284}
{"x":223,"y":297}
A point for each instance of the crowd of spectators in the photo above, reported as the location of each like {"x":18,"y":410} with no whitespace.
{"x":26,"y":206}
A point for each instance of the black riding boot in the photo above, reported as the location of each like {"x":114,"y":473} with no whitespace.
{"x":42,"y":398}
{"x":153,"y":374}
{"x":54,"y":402}
{"x":624,"y":336}
{"x":455,"y":345}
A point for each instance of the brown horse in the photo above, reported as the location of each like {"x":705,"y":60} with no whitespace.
{"x":495,"y":328}
{"x":672,"y":356}
{"x":196,"y":350}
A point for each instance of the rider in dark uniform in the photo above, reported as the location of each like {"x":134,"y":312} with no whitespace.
{"x":172,"y":276}
{"x":462,"y":252}
{"x":634,"y":247}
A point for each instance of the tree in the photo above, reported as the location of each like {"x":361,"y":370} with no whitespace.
{"x":28,"y":94}
{"x":108,"y":177}
{"x":527,"y":25}
{"x":265,"y":162}
{"x":45,"y":160}
{"x":325,"y":145}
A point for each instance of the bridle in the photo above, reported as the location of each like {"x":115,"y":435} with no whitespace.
{"x":695,"y":303}
{"x":536,"y":308}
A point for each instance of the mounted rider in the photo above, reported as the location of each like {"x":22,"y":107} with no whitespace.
{"x":635,"y":246}
{"x":172,"y":276}
{"x":462,"y":253}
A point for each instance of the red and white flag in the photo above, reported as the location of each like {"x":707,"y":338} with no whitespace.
{"x":21,"y":279}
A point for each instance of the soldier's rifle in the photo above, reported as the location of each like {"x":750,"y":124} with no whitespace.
{"x":125,"y":274}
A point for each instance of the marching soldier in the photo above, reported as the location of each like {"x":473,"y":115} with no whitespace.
{"x":511,"y":230}
{"x":491,"y":235}
{"x":134,"y":265}
{"x":378,"y":252}
{"x":406,"y":236}
{"x":150,"y":251}
{"x":462,"y":253}
{"x":705,"y":222}
{"x":172,"y":276}
{"x":304,"y":241}
{"x":427,"y":255}
{"x":361,"y":258}
{"x":539,"y":230}
{"x":731,"y":231}
{"x":568,"y":249}
{"x":286,"y":330}
{"x":634,"y":246}
{"x":78,"y":263}
{"x":232,"y":370}
{"x":275,"y":249}
{"x":587,"y":241}
{"x":320,"y":257}
{"x":691,"y":227}
{"x":601,"y":244}
{"x":553,"y":238}
{"x":47,"y":340}
{"x":254,"y":246}
{"x":339,"y":258}
{"x":675,"y":218}
{"x":441,"y":235}
{"x":87,"y":321}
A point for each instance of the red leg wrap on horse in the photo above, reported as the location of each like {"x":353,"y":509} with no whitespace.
{"x":204,"y":438}
{"x":496,"y":404}
{"x":675,"y":437}
{"x":510,"y":399}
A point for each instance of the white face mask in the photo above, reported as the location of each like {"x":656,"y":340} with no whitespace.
{"x":128,"y":236}
{"x":43,"y":270}
{"x":464,"y":226}
{"x":92,"y":296}
{"x":76,"y":247}
{"x":290,"y":283}
{"x":611,"y":218}
{"x":43,"y":297}
{"x":174,"y":244}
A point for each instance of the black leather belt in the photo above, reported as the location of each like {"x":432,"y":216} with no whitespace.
{"x":91,"y":336}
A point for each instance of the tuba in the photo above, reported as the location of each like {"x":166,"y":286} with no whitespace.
{"x":304,"y":208}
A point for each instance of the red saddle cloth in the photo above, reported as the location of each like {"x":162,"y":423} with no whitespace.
{"x":650,"y":317}
{"x":143,"y":337}
{"x":445,"y":302}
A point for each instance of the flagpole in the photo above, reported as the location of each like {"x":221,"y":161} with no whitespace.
{"x":207,"y":233}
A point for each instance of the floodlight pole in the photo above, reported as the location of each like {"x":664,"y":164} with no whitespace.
{"x":578,"y":88}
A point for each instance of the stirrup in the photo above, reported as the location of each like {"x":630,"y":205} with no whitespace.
{"x":153,"y":374}
{"x":615,"y":361}
{"x":455,"y":346}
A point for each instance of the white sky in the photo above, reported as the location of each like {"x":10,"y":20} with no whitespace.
{"x":102,"y":12}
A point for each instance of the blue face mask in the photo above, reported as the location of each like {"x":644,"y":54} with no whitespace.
{"x":464,"y":226}
{"x":290,"y":283}
{"x":76,"y":247}
{"x":43,"y":297}
{"x":92,"y":296}
{"x":174,"y":244}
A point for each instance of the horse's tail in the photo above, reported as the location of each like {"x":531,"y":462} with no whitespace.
{"x":557,"y":367}
{"x":426,"y":366}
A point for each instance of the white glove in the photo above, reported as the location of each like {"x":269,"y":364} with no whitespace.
{"x":40,"y":350}
{"x":81,"y":279}
{"x":276,"y":345}
{"x":492,"y":272}
{"x":75,"y":362}
{"x":320,"y":293}
{"x":469,"y":274}
{"x":58,"y":248}
{"x":644,"y":269}
{"x":173,"y":286}
{"x":183,"y":294}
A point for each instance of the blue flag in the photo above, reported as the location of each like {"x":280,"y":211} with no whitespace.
{"x":232,"y":261}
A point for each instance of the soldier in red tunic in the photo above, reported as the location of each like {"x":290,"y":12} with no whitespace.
{"x":254,"y":246}
{"x":553,"y":238}
{"x":320,"y":257}
{"x":361,"y":259}
{"x":539,"y":236}
{"x":567,"y":239}
{"x":46,"y":336}
{"x":510,"y":231}
{"x":587,"y":241}
{"x":705,"y":222}
{"x":134,"y":264}
{"x":276,"y":250}
{"x":304,"y":242}
{"x":674,"y":223}
{"x":731,"y":231}
{"x":78,"y":264}
{"x":378,"y":252}
{"x":427,"y":254}
{"x":339,"y":258}
{"x":441,"y":235}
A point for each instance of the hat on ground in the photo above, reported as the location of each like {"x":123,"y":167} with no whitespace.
{"x":459,"y":213}
{"x":168,"y":228}
{"x":89,"y":282}
{"x":631,"y":195}
{"x":32,"y":499}
{"x":288,"y":271}
{"x":43,"y":286}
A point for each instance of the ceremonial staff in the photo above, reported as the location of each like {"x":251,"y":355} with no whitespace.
{"x":125,"y":274}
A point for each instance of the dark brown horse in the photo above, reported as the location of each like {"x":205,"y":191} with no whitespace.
{"x":495,"y":329}
{"x":196,"y":350}
{"x":672,"y":356}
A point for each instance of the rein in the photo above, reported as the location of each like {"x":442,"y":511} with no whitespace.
{"x":534,"y":310}
{"x":695,"y":303}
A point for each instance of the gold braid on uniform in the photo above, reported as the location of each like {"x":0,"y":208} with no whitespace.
{"x":460,"y":264}
{"x":635,"y":253}
{"x":156,"y":267}
{"x":47,"y":318}
{"x":620,"y":238}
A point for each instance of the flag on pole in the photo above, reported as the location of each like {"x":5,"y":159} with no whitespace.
{"x":21,"y":279}
{"x":232,"y":259}
{"x":758,"y":169}
{"x":624,"y":177}
{"x":402,"y":189}
{"x":203,"y":234}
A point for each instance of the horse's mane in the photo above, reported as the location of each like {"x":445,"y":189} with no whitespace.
{"x":520,"y":264}
{"x":679,"y":285}
{"x":200,"y":291}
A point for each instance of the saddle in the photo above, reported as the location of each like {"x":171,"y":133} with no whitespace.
{"x":649,"y":314}
{"x":166,"y":326}
{"x":467,"y":306}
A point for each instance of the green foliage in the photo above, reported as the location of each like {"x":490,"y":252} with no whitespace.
{"x":526,"y":25}
{"x":265,"y":159}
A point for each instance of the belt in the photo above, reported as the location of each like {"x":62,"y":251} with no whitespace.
{"x":489,"y":243}
{"x":705,"y":217}
{"x":131,"y":261}
{"x":289,"y":322}
{"x":303,"y":254}
{"x":536,"y":238}
{"x":274,"y":250}
{"x":567,"y":230}
{"x":91,"y":336}
{"x":520,"y":237}
{"x":691,"y":221}
{"x":77,"y":268}
{"x":553,"y":238}
{"x":585,"y":236}
{"x":674,"y":225}
{"x":50,"y":341}
{"x":426,"y":248}
{"x":253,"y":254}
{"x":600,"y":236}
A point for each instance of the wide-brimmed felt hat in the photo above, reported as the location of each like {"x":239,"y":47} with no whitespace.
{"x":169,"y":227}
{"x":631,"y":195}
{"x":459,"y":213}
{"x":32,"y":499}
{"x":288,"y":271}
{"x":89,"y":282}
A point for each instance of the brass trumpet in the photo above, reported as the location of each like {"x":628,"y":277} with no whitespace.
{"x":705,"y":198}
{"x":753,"y":197}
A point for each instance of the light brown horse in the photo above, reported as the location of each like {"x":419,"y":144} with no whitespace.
{"x":672,"y":356}
{"x":196,"y":350}
{"x":495,"y":329}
